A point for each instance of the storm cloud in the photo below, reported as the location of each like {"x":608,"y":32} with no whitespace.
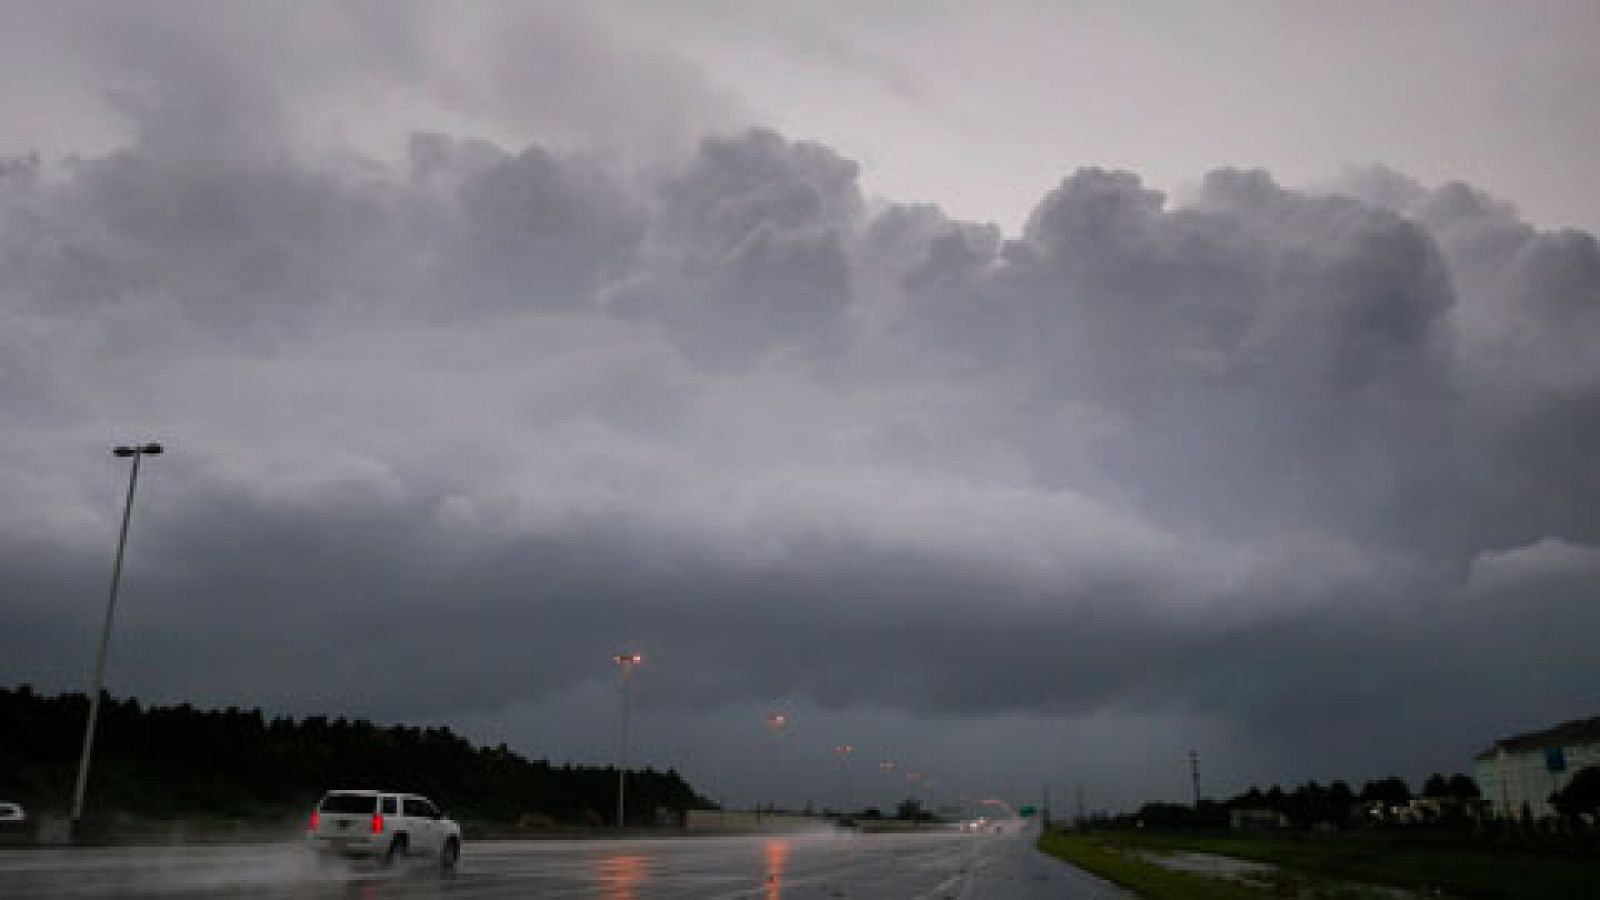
{"x":1310,"y":466}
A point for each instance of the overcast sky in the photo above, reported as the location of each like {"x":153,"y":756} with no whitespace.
{"x":1026,"y":394}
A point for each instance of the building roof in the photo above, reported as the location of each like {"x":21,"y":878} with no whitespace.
{"x":1577,"y":731}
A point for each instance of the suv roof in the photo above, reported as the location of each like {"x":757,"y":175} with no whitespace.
{"x":365,"y":792}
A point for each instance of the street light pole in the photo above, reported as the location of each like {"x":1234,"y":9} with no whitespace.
{"x":915,"y":780}
{"x":625,"y":664}
{"x":887,"y":767}
{"x":843,"y":751}
{"x":136,"y":452}
{"x":776,"y":723}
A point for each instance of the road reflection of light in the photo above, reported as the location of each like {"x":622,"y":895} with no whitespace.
{"x":620,"y":875}
{"x":777,"y":856}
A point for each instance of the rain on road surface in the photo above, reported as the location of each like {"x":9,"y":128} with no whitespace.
{"x":790,"y":867}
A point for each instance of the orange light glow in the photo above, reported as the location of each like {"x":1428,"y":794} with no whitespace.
{"x":777,"y":861}
{"x":620,"y":877}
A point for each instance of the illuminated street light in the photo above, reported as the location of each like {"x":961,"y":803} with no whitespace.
{"x":775,"y":723}
{"x":136,"y":452}
{"x":917,"y":783}
{"x":843,"y":751}
{"x":626,"y":662}
{"x":887,"y":767}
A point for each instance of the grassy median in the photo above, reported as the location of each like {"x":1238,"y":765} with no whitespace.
{"x":1104,"y":856}
{"x":1332,"y":865}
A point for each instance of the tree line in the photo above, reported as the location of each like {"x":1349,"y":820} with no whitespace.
{"x":1452,"y":799}
{"x":175,"y":761}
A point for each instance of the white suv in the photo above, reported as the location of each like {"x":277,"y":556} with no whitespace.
{"x":385,"y":826}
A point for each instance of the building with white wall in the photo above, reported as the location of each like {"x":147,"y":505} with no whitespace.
{"x":1518,"y":774}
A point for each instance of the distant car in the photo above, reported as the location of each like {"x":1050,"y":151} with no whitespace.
{"x":384,"y":826}
{"x":13,"y":823}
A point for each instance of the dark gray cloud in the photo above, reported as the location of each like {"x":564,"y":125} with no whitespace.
{"x":1275,"y":467}
{"x":749,"y":252}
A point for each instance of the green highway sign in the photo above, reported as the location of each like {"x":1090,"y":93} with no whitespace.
{"x":1026,"y":812}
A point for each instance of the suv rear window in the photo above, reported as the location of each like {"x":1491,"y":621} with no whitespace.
{"x":350,"y":803}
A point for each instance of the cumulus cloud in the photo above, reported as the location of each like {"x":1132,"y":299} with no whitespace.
{"x":510,"y":406}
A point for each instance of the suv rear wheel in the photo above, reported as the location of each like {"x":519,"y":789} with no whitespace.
{"x":397,"y":847}
{"x":449,"y":857}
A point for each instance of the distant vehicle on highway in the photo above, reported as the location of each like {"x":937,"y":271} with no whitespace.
{"x":13,"y":821}
{"x":384,"y":826}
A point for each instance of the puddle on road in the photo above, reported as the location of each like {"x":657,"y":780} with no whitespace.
{"x":1266,"y":875}
{"x":1211,"y":865}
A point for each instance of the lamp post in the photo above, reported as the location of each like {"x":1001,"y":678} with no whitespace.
{"x":625,"y":665}
{"x":127,"y":451}
{"x":915,"y":780}
{"x":886,"y":766}
{"x":776,"y":723}
{"x":843,"y":751}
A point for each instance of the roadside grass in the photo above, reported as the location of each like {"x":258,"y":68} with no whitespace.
{"x":1386,"y":859}
{"x":1099,"y":855}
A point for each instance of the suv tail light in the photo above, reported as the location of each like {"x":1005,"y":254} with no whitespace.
{"x":316,"y":819}
{"x":377,"y":823}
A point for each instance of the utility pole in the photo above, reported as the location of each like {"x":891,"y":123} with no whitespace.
{"x":1194,"y":774}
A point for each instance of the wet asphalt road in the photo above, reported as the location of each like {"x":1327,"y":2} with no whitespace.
{"x":790,"y":867}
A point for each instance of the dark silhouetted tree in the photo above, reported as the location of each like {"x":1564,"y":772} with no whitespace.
{"x":1389,"y":791}
{"x":1581,"y":795}
{"x":1464,"y":787}
{"x":179,"y":761}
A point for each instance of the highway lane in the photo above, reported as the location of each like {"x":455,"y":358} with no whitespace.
{"x":930,"y":866}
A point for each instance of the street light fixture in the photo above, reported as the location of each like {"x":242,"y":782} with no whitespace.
{"x":625,"y":666}
{"x":125,"y":451}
